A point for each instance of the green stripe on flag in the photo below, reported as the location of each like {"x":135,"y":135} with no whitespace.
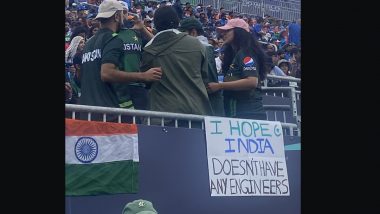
{"x":293,"y":147}
{"x":101,"y":178}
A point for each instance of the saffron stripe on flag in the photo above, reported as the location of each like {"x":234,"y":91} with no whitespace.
{"x":94,"y":128}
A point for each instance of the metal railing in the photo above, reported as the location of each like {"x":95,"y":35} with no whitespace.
{"x":289,"y":79}
{"x":154,"y":114}
{"x":285,"y":10}
{"x":290,"y":92}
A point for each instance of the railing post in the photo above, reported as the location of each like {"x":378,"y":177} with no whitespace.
{"x":294,"y":101}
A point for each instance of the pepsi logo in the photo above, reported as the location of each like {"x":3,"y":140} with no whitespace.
{"x":248,"y":61}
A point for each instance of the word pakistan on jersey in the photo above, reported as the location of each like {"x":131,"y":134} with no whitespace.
{"x":91,"y":56}
{"x":132,"y":47}
{"x":96,"y":54}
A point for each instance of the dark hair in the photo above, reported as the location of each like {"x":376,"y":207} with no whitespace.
{"x":259,"y":20}
{"x":165,"y":18}
{"x":75,"y":24}
{"x":294,"y":50}
{"x":78,"y":30}
{"x":247,"y":42}
{"x":69,"y":21}
{"x":90,"y":34}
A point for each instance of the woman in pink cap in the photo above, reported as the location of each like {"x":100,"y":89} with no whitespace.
{"x":243,"y":68}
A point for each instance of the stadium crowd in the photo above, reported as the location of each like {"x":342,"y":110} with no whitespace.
{"x":279,"y":39}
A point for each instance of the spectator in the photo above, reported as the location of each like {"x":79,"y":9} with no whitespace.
{"x":139,"y":207}
{"x":218,"y":24}
{"x":203,"y":19}
{"x":79,"y":31}
{"x":271,"y":48}
{"x":221,"y":11}
{"x":281,"y":54}
{"x":283,"y":39}
{"x":223,"y":20}
{"x":73,"y":91}
{"x":213,"y":42}
{"x":209,"y":11}
{"x":92,"y":31}
{"x":67,"y":32}
{"x":163,"y":3}
{"x":295,"y":62}
{"x":220,"y":42}
{"x":218,"y":61}
{"x":133,"y":94}
{"x":148,"y":7}
{"x":75,"y":48}
{"x":272,"y":62}
{"x":178,"y":8}
{"x":244,"y":68}
{"x":275,"y":57}
{"x":150,"y":15}
{"x":276,"y":42}
{"x":194,"y":28}
{"x":101,"y":60}
{"x":230,"y":15}
{"x":184,"y":62}
{"x":285,"y":66}
{"x":67,"y":35}
{"x":68,"y":92}
{"x":258,"y":27}
{"x":251,"y":23}
{"x":73,"y":59}
{"x":71,"y":16}
{"x":188,"y":11}
{"x":265,"y":35}
{"x":148,"y":25}
{"x":276,"y":33}
{"x":84,"y":23}
{"x":295,"y":32}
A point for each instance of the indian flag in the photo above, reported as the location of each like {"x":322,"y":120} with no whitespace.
{"x":101,"y":158}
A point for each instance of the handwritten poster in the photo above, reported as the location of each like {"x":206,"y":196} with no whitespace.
{"x":246,"y":157}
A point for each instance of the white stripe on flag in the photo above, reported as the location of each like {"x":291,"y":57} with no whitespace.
{"x":110,"y":148}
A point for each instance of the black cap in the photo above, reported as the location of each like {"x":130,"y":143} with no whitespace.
{"x":190,"y":23}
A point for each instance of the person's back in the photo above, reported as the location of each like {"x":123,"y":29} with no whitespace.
{"x":183,"y":60}
{"x":178,"y":7}
{"x":194,"y":28}
{"x":130,"y":63}
{"x":181,"y":89}
{"x":216,"y":98}
{"x":94,"y":91}
{"x":101,"y":59}
{"x":295,"y":33}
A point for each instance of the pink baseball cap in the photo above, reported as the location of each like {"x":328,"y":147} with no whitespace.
{"x":232,"y":23}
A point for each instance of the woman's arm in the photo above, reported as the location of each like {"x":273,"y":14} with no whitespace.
{"x":237,"y":85}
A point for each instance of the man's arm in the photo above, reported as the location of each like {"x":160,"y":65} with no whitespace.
{"x":204,"y":67}
{"x":110,"y":73}
{"x":139,"y":25}
{"x":237,"y":85}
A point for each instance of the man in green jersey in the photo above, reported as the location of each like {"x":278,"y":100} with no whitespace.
{"x":134,"y":95}
{"x":101,"y":59}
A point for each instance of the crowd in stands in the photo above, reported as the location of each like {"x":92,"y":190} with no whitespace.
{"x":280,"y":39}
